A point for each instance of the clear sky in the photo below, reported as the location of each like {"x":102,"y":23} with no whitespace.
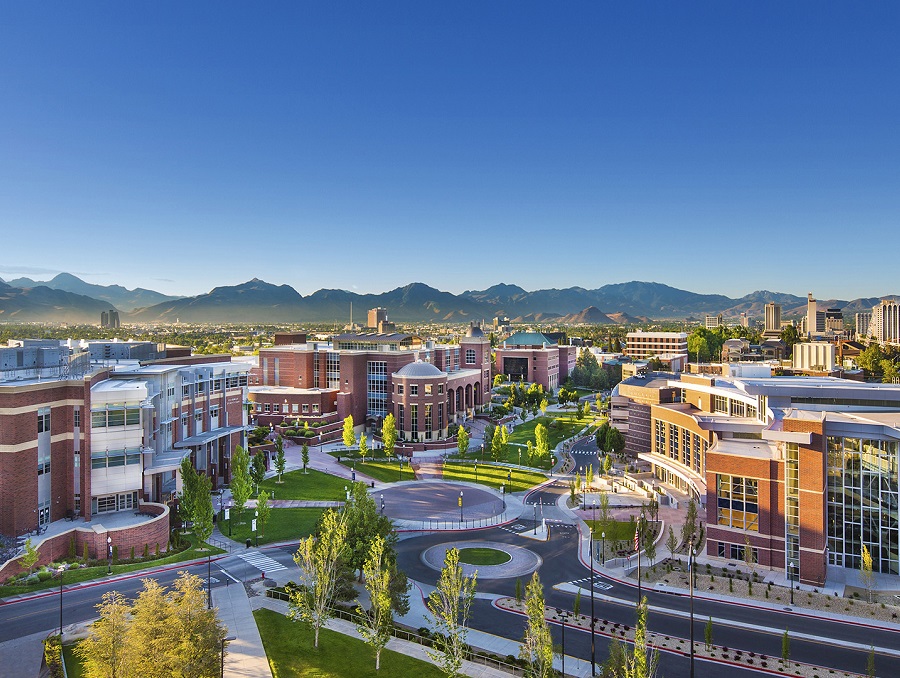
{"x":717,"y":147}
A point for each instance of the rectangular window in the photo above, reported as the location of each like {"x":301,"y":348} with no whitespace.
{"x":400,"y":413}
{"x":132,"y":416}
{"x":214,"y":411}
{"x":414,"y":420}
{"x":440,"y":416}
{"x":305,"y":409}
{"x":171,"y":392}
{"x":44,"y":420}
{"x":201,"y":386}
{"x":440,"y":389}
{"x":720,"y":404}
{"x":115,"y":417}
{"x":414,"y":389}
{"x":295,"y":408}
{"x":76,"y":417}
{"x":428,"y":422}
{"x":315,"y":409}
{"x":186,"y":391}
{"x":738,"y":502}
{"x":400,"y":389}
{"x":217,"y":385}
{"x":267,"y":407}
{"x":276,"y":408}
{"x":427,"y":389}
{"x":98,"y":418}
{"x":470,"y":356}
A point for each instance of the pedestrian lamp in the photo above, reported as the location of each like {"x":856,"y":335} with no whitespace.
{"x":791,"y":566}
{"x":460,"y":505}
{"x":563,"y":616}
{"x":347,"y":492}
{"x":256,"y":527}
{"x":400,"y":461}
{"x":353,"y":473}
{"x":228,"y":518}
{"x":61,"y":570}
{"x":476,"y":473}
{"x":509,"y":478}
{"x":109,"y":555}
{"x":520,"y":456}
{"x":482,"y":450}
{"x":222,"y":664}
{"x":382,"y":502}
{"x":603,"y":548}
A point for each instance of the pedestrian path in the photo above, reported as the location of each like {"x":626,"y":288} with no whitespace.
{"x":598,"y":585}
{"x":261,"y":561}
{"x":246,"y":655}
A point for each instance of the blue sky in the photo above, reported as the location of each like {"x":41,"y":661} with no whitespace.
{"x":718,"y":147}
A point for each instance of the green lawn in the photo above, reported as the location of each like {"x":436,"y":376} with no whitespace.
{"x":616,"y":530}
{"x":96,"y":572}
{"x":74,"y":667}
{"x":494,"y":476}
{"x":311,"y":486}
{"x":285,"y":524}
{"x":483,"y":556}
{"x":567,"y":425}
{"x":385,"y":471}
{"x":289,"y":646}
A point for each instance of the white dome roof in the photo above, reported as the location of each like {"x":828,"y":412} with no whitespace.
{"x":419,"y":369}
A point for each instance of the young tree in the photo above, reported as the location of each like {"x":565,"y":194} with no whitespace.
{"x":749,"y":559}
{"x":258,"y":469}
{"x":462,"y":441}
{"x":653,"y":509}
{"x":389,"y":434}
{"x":529,"y":446}
{"x":498,"y":380}
{"x":240,"y":479}
{"x":449,"y":606}
{"x":537,"y":645}
{"x":870,"y":663}
{"x":188,"y":491}
{"x":866,"y":572}
{"x":198,"y":634}
{"x":643,"y":661}
{"x":348,"y":436}
{"x":586,"y":410}
{"x":605,"y":514}
{"x":589,"y":476}
{"x":363,"y":446}
{"x":785,"y":646}
{"x":708,"y":634}
{"x":689,"y":528}
{"x":264,"y":510}
{"x":203,"y":509}
{"x":607,"y":464}
{"x":671,"y":542}
{"x":576,"y":605}
{"x":518,"y":590}
{"x":544,"y":405}
{"x":497,"y":443}
{"x":304,"y":457}
{"x":319,"y":559}
{"x":30,"y":557}
{"x":541,"y":441}
{"x":281,"y":461}
{"x":378,"y":621}
{"x":103,"y":652}
{"x":504,"y":443}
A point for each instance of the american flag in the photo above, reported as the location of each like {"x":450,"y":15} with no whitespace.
{"x":637,"y":539}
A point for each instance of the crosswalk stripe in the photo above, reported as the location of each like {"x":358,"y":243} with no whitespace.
{"x":262,"y":562}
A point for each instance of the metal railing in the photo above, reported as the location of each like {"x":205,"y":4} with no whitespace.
{"x":411,"y":637}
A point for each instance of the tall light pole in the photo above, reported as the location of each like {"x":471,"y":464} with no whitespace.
{"x":562,"y":617}
{"x":603,"y":548}
{"x":591,"y":555}
{"x":62,"y":570}
{"x":208,"y":580}
{"x":109,"y":555}
{"x":256,"y":527}
{"x":382,"y":502}
{"x":476,"y":473}
{"x":691,"y":577}
{"x":460,"y":506}
{"x":639,"y":539}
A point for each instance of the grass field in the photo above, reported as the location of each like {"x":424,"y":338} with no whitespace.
{"x":312,"y":486}
{"x":74,"y":667}
{"x":483,"y":556}
{"x":385,"y":471}
{"x":566,"y":426}
{"x":285,"y":524}
{"x":494,"y":476}
{"x":98,"y":571}
{"x":616,"y":530}
{"x":289,"y":646}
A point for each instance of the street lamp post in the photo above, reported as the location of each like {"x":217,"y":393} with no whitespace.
{"x":603,"y":548}
{"x":509,"y":480}
{"x":591,"y":554}
{"x":460,"y":506}
{"x":209,"y":580}
{"x":520,"y":456}
{"x":109,"y":555}
{"x":382,"y":502}
{"x":62,"y":570}
{"x":503,"y":495}
{"x":562,"y":618}
{"x":400,"y":459}
{"x":256,"y":528}
{"x":222,"y":664}
{"x":691,"y":555}
{"x":534,"y":506}
{"x":228,"y":518}
{"x":640,"y":538}
{"x":476,"y":474}
{"x":791,"y":566}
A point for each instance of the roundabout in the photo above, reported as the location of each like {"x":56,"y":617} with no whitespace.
{"x":439,"y":500}
{"x":519,"y":561}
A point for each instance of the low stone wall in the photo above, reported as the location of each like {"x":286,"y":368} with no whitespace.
{"x":154,"y":532}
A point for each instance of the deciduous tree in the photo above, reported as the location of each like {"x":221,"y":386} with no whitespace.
{"x":349,"y":437}
{"x":240,"y":479}
{"x":449,"y":605}
{"x":462,"y":441}
{"x":378,"y":620}
{"x":866,"y":572}
{"x":30,"y":557}
{"x":304,"y":457}
{"x":363,"y":446}
{"x":264,"y":510}
{"x":389,"y":434}
{"x":188,"y":491}
{"x":541,"y":441}
{"x":258,"y":469}
{"x":281,"y":461}
{"x":203,"y":509}
{"x":537,"y":645}
{"x":319,"y":559}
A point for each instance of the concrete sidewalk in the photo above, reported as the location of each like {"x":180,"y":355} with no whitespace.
{"x":246,"y":655}
{"x":21,"y":657}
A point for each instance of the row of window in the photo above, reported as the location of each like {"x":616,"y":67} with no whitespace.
{"x":115,"y":415}
{"x":737,"y":552}
{"x":113,"y":458}
{"x":275,"y":408}
{"x":414,"y":389}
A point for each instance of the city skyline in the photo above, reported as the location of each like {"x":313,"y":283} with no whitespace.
{"x":348,"y":146}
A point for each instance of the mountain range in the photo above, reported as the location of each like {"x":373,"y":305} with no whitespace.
{"x":67,"y":298}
